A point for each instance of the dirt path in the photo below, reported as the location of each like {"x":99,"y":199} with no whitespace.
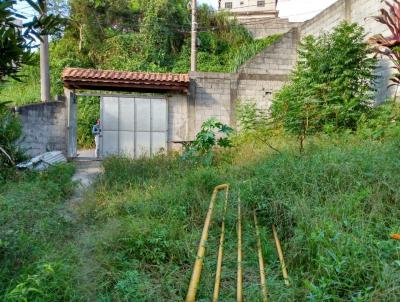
{"x":86,"y":173}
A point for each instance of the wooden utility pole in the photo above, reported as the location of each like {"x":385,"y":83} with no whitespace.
{"x":44,"y":64}
{"x":193,"y":59}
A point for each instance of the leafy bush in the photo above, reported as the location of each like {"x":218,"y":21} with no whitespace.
{"x":10,"y":131}
{"x":332,"y":84}
{"x":27,"y":90}
{"x":201,"y":148}
{"x":88,"y":114}
{"x":382,"y":121}
{"x":250,"y":118}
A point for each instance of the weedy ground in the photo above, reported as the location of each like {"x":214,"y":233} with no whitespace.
{"x":334,"y":206}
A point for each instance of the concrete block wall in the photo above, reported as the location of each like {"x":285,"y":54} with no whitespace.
{"x":326,"y":20}
{"x":260,"y":91}
{"x":358,"y":11}
{"x":44,"y":127}
{"x":211,"y":94}
{"x":265,"y":74}
{"x":277,"y":59}
{"x":262,"y":28}
{"x":178,"y":110}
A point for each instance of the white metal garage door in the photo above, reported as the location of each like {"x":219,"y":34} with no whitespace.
{"x":133,"y":126}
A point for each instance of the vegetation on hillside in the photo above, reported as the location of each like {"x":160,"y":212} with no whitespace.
{"x":139,"y":36}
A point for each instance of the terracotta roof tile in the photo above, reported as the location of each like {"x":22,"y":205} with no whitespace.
{"x":80,"y":78}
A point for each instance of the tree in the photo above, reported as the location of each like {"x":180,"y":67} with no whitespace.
{"x":332,"y":85}
{"x":17,"y":38}
{"x":16,"y":41}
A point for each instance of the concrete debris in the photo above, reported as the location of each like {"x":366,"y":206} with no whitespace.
{"x":43,"y":161}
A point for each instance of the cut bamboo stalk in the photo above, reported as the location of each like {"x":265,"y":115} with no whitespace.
{"x":198,"y":265}
{"x":281,"y":258}
{"x":239,"y":293}
{"x":220,"y":252}
{"x":260,"y":261}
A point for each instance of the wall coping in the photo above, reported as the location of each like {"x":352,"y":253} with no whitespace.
{"x":36,"y":105}
{"x":330,"y":8}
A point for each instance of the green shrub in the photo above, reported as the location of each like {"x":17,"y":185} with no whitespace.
{"x":381,"y":121}
{"x":201,"y":149}
{"x":332,"y":85}
{"x":25,"y":92}
{"x":10,"y":131}
{"x":249,"y":117}
{"x":88,"y":114}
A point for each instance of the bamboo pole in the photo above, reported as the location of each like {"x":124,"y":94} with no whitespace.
{"x":198,"y":265}
{"x":260,"y":261}
{"x":220,"y":252}
{"x":239,"y":292}
{"x":281,"y":258}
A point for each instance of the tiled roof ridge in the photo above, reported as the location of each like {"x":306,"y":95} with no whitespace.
{"x":71,"y":73}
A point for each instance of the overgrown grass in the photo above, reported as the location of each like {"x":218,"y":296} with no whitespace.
{"x":334,"y":206}
{"x":35,"y":262}
{"x":25,"y":92}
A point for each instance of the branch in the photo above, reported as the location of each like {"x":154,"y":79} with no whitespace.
{"x":8,"y":156}
{"x":269,"y":145}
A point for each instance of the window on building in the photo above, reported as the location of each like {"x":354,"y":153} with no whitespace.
{"x":260,"y":3}
{"x":228,"y":4}
{"x":241,"y":2}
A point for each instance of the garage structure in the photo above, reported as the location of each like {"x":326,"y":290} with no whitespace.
{"x":133,"y":126}
{"x":141,"y":123}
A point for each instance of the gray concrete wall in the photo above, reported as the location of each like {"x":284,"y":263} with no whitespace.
{"x":265,"y":74}
{"x":178,"y":118}
{"x":277,"y":59}
{"x":358,"y":11}
{"x":44,"y":127}
{"x":216,"y":94}
{"x":211,"y":93}
{"x":262,"y":28}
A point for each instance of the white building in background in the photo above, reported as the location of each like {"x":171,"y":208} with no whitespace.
{"x":250,"y":8}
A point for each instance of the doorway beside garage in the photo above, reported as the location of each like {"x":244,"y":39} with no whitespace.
{"x":88,"y":113}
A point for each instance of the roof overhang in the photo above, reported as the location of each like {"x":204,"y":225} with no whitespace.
{"x":110,"y":80}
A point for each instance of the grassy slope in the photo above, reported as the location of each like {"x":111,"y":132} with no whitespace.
{"x":334,"y":206}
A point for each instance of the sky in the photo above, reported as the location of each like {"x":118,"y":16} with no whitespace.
{"x":295,"y":10}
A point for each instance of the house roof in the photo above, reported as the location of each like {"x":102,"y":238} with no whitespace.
{"x":92,"y":79}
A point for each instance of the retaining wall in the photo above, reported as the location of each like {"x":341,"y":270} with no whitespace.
{"x":216,"y":94}
{"x":262,"y":28}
